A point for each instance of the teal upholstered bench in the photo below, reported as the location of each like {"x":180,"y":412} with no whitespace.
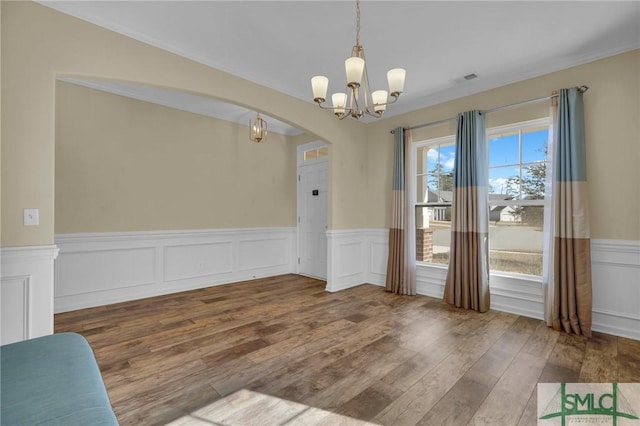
{"x":52,"y":380}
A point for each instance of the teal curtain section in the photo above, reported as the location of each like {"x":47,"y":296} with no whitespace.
{"x":398,"y":160}
{"x":467,"y":284}
{"x":571,"y":291}
{"x":401,"y":264}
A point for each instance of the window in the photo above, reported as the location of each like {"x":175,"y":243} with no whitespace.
{"x":434,"y":193}
{"x":517,"y":171}
{"x":315,"y":153}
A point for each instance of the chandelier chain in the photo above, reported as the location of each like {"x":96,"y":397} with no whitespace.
{"x":358,"y":100}
{"x":357,"y":22}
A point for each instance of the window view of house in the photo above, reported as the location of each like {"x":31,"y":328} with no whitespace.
{"x":517,"y":171}
{"x":434,"y":193}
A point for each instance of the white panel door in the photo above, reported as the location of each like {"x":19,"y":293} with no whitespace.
{"x":312,"y":211}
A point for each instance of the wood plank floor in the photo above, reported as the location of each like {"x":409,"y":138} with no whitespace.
{"x":361,"y":353}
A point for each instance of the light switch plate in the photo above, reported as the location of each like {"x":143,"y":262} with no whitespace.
{"x":31,"y":217}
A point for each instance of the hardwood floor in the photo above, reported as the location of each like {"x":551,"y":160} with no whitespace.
{"x":361,"y":353}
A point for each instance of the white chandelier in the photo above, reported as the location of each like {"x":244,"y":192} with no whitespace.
{"x":355,"y":103}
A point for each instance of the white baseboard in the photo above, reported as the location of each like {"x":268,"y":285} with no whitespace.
{"x":102,"y":268}
{"x":360,"y":256}
{"x":96,"y":269}
{"x":508,"y":294}
{"x":430,"y":280}
{"x":26,"y":292}
{"x":517,"y":295}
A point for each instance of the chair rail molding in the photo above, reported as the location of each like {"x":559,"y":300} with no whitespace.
{"x":26,"y":292}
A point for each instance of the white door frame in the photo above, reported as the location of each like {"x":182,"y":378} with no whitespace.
{"x":301,"y":149}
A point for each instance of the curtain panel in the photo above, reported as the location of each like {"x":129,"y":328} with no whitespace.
{"x":401,"y":264}
{"x":569,"y":292}
{"x":467,"y":284}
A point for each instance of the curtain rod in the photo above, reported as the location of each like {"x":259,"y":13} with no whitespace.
{"x":581,"y":89}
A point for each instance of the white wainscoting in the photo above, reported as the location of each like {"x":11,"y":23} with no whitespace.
{"x":508,"y":294}
{"x":355,"y":257}
{"x":516,"y":295}
{"x":615,"y":270}
{"x":360,"y":256}
{"x":430,"y":280}
{"x":26,"y":292}
{"x":96,"y":269}
{"x":102,"y":268}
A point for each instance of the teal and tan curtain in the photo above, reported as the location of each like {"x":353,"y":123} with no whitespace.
{"x":401,"y":265}
{"x":568,"y":298}
{"x":467,"y":284}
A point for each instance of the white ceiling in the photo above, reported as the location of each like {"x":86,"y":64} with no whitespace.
{"x":282,"y":44}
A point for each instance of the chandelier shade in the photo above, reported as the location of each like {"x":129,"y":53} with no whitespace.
{"x":354,"y":67}
{"x":379,"y":98}
{"x":358,"y":99}
{"x":319,"y":85}
{"x":395,"y":78}
{"x":339,"y":102}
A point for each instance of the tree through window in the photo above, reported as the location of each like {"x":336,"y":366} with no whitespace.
{"x":517,"y":173}
{"x":435,"y":161}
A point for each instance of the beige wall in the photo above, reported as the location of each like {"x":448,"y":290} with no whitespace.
{"x":39,"y":44}
{"x":612,"y":114}
{"x":127,"y":165}
{"x":0,"y":125}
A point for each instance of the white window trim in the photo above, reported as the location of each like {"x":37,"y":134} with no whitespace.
{"x":514,"y":127}
{"x":414,"y":151}
{"x":509,"y":128}
{"x":521,"y":125}
{"x":546,"y":121}
{"x":310,"y":147}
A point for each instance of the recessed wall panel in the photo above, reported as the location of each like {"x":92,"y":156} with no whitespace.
{"x":197,"y":260}
{"x":90,"y":271}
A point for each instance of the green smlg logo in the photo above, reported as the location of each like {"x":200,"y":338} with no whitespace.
{"x":612,"y":405}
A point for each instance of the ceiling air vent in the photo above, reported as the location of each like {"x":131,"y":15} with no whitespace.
{"x":470,"y":76}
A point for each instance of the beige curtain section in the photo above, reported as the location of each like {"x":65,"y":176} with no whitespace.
{"x":401,"y":264}
{"x":466,"y":267}
{"x":572,"y":299}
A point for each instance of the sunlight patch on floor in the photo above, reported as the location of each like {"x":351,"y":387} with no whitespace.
{"x":252,"y":408}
